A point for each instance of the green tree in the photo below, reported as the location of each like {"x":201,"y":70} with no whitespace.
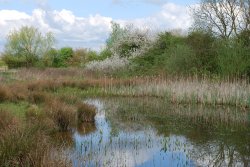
{"x":49,"y":57}
{"x":202,"y":44}
{"x":26,"y":46}
{"x":63,"y":57}
{"x":233,"y":57}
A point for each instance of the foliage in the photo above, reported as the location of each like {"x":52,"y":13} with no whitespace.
{"x":202,"y":44}
{"x":14,"y":61}
{"x":26,"y":46}
{"x":233,"y":57}
{"x":64,"y":55}
{"x":182,"y":60}
{"x":48,"y":60}
{"x":244,"y":37}
{"x":155,"y":57}
{"x":79,"y":56}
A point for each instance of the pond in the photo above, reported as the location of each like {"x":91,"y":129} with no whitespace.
{"x":146,"y":132}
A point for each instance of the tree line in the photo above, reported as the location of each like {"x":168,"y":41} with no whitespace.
{"x":217,"y":43}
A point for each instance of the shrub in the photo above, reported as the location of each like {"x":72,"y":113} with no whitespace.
{"x":233,"y":57}
{"x":48,"y":59}
{"x":104,"y":54}
{"x":244,"y":37}
{"x":109,"y":65}
{"x":202,"y":45}
{"x":64,"y":55}
{"x":154,"y":58}
{"x":79,"y":57}
{"x":182,"y":60}
{"x":14,"y":62}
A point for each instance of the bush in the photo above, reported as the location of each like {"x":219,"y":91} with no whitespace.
{"x":244,"y":37}
{"x":14,"y":61}
{"x":202,"y":45}
{"x":154,"y":59}
{"x":64,"y":55}
{"x":79,"y":57}
{"x":182,"y":60}
{"x":233,"y":57}
{"x":104,"y":54}
{"x":48,"y":59}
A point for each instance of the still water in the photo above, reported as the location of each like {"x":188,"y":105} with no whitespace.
{"x":136,"y":132}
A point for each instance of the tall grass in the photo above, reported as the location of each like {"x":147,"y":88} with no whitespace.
{"x":25,"y":144}
{"x":184,"y":90}
{"x":86,"y":113}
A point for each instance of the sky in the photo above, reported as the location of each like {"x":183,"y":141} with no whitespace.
{"x":87,"y":23}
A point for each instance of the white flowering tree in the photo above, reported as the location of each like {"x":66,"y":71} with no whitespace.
{"x":124,"y":44}
{"x":126,"y":41}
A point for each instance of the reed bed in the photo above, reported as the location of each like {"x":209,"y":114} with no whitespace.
{"x":178,"y":89}
{"x":184,"y":90}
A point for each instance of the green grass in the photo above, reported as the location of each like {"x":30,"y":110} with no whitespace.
{"x":77,"y":92}
{"x":18,"y":109}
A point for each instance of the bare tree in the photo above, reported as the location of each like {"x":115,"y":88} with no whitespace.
{"x":224,"y":18}
{"x":245,"y":6}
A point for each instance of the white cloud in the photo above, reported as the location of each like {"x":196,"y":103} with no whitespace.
{"x":91,"y":31}
{"x":170,"y":17}
{"x":154,"y":2}
{"x":8,"y":15}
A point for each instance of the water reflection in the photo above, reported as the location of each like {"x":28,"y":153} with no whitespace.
{"x":139,"y":132}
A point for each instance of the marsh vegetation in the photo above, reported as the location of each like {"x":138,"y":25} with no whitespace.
{"x":146,"y":99}
{"x":45,"y":111}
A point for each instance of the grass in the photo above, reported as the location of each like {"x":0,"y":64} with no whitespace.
{"x":186,"y":90}
{"x":86,"y":113}
{"x":62,"y":114}
{"x":18,"y":109}
{"x":25,"y":143}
